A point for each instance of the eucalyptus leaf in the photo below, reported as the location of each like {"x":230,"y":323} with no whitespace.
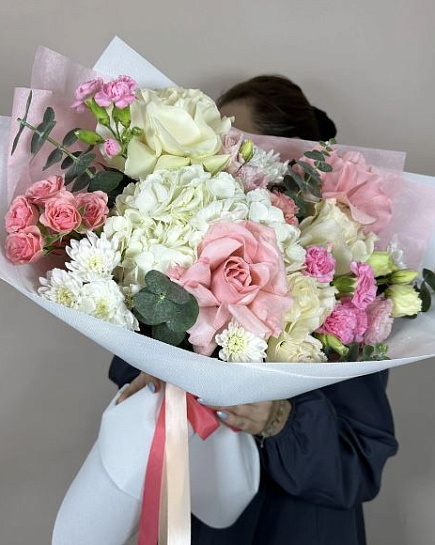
{"x":105,"y":181}
{"x":54,"y":157}
{"x":78,"y":167}
{"x":162,"y":333}
{"x":49,"y":116}
{"x":40,"y":136}
{"x":157,"y":282}
{"x":21,"y":129}
{"x":429,"y":278}
{"x":68,"y":161}
{"x":184,"y":316}
{"x":81,"y":182}
{"x":70,"y":138}
{"x":315,"y":154}
{"x":153,"y":309}
{"x":17,"y":139}
{"x":324,"y":167}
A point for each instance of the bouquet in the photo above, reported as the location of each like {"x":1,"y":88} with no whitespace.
{"x":236,"y":267}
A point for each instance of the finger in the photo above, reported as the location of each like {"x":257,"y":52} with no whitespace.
{"x":138,"y":383}
{"x":234,"y":421}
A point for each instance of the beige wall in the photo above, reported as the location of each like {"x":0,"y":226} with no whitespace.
{"x":369,"y":64}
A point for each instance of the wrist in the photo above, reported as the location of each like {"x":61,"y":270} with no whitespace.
{"x":278,"y":419}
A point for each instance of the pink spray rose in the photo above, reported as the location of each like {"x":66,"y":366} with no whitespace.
{"x":61,"y":213}
{"x":287,"y":205}
{"x":231,"y":143}
{"x":347,"y":322}
{"x":95,"y":208}
{"x":25,"y":246}
{"x":365,"y":291}
{"x":84,"y":91}
{"x":112,"y":147}
{"x":119,"y":92}
{"x":239,"y":274}
{"x":319,"y":263}
{"x":380,"y":320}
{"x":39,"y":192}
{"x":21,"y":214}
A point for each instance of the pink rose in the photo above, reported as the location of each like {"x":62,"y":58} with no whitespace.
{"x":21,"y":214}
{"x":319,"y":263}
{"x":84,"y":91}
{"x":380,"y":320}
{"x":231,"y":143}
{"x":287,"y":205}
{"x":39,"y":192}
{"x":61,"y":213}
{"x":25,"y":246}
{"x":357,"y":185}
{"x":239,"y":274}
{"x":112,"y":147}
{"x":365,"y":291}
{"x":119,"y":92}
{"x":347,"y":322}
{"x":95,"y":208}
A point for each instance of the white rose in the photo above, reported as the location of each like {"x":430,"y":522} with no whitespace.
{"x":180,"y":127}
{"x":330,"y":225}
{"x":297,"y":346}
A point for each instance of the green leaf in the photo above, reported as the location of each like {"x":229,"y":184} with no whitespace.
{"x":157,"y":282}
{"x":49,"y":116}
{"x":105,"y":181}
{"x":122,"y":116}
{"x":315,"y":154}
{"x":70,"y":138}
{"x":153,"y":309}
{"x":68,"y":161}
{"x":42,"y":131}
{"x":429,"y":278}
{"x":353,"y":352}
{"x":425,"y":297}
{"x":78,"y":167}
{"x":162,"y":333}
{"x":54,"y":157}
{"x":185,"y":316}
{"x":324,"y":167}
{"x":81,"y":182}
{"x":21,"y":129}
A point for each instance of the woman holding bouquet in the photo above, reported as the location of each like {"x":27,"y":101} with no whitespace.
{"x":322,"y":453}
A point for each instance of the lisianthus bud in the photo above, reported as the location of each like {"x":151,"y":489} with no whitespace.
{"x":333,"y":342}
{"x":381,"y":263}
{"x":246,"y":150}
{"x":89,"y":137}
{"x":137,"y":131}
{"x":406,"y":301}
{"x":404,"y":276}
{"x":345,"y":284}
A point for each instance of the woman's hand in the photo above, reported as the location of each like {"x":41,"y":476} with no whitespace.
{"x":254,"y":418}
{"x":142,"y":380}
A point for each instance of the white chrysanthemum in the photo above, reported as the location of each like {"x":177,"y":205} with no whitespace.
{"x":269,"y":162}
{"x":104,"y":300}
{"x":94,"y":257}
{"x":239,"y":345}
{"x":61,"y":287}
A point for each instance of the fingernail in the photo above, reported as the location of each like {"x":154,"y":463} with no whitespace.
{"x":152,"y":387}
{"x":222,"y":415}
{"x":202,"y":401}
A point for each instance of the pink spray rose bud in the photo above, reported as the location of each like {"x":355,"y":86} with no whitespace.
{"x":61,"y":213}
{"x":319,"y":263}
{"x":84,"y":91}
{"x":25,"y":246}
{"x":95,"y":208}
{"x":112,"y":147}
{"x":21,"y":214}
{"x":119,"y":92}
{"x":287,"y":205}
{"x":39,"y":192}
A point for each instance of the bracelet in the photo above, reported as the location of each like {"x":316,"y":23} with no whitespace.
{"x":277,"y":419}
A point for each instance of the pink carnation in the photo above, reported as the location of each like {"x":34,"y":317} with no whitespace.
{"x":25,"y":246}
{"x":120,"y":92}
{"x":347,"y":322}
{"x":231,"y":143}
{"x":365,"y":291}
{"x":319,"y":263}
{"x":252,"y":178}
{"x":39,"y":192}
{"x":61,"y":213}
{"x":112,"y":147}
{"x":287,"y":205}
{"x":84,"y":91}
{"x":239,"y":274}
{"x":355,"y":184}
{"x":95,"y":208}
{"x":21,"y":214}
{"x":380,"y":320}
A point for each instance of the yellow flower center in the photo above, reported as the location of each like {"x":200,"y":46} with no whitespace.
{"x":65,"y":297}
{"x":236,"y":344}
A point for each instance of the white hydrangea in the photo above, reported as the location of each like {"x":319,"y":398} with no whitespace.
{"x":61,"y":287}
{"x":269,"y":162}
{"x":104,"y":300}
{"x":94,"y":257}
{"x":239,"y":345}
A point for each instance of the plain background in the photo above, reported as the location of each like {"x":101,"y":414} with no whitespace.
{"x":369,"y":64}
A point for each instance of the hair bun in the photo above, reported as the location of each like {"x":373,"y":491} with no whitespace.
{"x":327,"y":128}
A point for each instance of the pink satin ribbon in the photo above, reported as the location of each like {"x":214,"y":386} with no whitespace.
{"x":169,"y":434}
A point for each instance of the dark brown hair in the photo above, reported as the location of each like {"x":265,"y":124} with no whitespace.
{"x":280,"y":108}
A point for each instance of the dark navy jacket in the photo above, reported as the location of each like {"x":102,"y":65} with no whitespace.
{"x":315,"y":473}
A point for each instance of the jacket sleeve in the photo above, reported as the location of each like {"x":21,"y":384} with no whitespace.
{"x":335,"y":444}
{"x":121,"y":372}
